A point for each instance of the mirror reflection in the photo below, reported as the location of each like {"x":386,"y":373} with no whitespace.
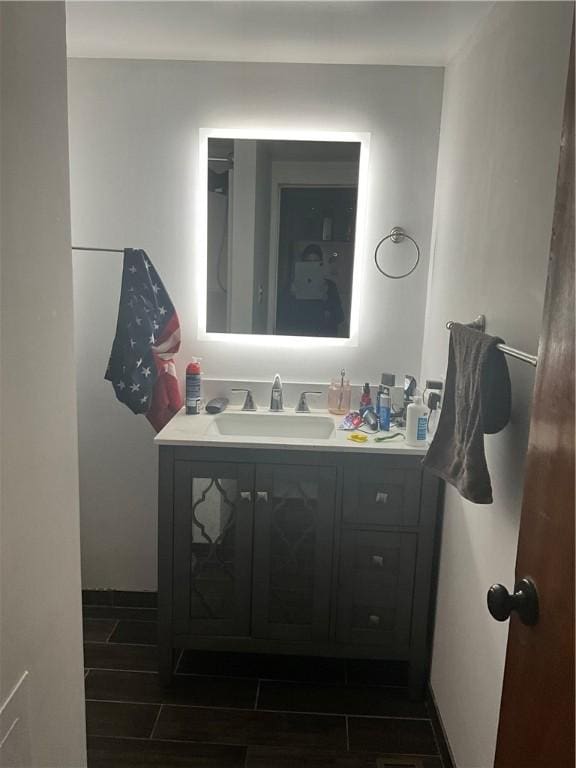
{"x":281,"y":231}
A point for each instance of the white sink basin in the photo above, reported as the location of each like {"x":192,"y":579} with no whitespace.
{"x":273,"y":425}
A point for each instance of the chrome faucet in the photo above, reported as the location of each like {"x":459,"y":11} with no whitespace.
{"x":303,"y":406}
{"x":249,"y":404}
{"x":276,"y":402}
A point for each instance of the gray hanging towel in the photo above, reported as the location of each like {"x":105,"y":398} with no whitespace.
{"x":477,"y":401}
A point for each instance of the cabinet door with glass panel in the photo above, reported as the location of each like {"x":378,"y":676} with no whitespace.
{"x":213,"y":524}
{"x":293,"y":546}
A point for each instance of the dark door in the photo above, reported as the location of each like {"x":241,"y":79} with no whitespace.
{"x":293,"y":545}
{"x":536,"y":727}
{"x":213,"y":521}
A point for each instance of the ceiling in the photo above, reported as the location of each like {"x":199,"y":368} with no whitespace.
{"x":409,"y":33}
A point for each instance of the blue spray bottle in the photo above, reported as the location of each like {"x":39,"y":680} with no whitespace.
{"x":384,"y":409}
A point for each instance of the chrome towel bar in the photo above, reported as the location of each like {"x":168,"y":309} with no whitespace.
{"x":480,"y":325}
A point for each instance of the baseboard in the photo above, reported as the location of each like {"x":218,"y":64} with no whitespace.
{"x":440,"y":731}
{"x":120,"y":598}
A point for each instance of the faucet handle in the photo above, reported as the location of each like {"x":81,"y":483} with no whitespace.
{"x":303,"y":406}
{"x":249,"y":400}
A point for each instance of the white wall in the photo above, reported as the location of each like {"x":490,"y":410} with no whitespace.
{"x":216,"y":304}
{"x":133,"y":135}
{"x":262,"y":253}
{"x":242,"y":240}
{"x":40,"y":543}
{"x":499,"y":147}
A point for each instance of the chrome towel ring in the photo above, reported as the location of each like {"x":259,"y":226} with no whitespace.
{"x":397,"y":235}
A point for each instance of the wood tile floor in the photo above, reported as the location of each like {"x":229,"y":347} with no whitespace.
{"x":241,"y":710}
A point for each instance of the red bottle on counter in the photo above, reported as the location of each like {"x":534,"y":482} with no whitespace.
{"x":193,"y":387}
{"x":366,"y":399}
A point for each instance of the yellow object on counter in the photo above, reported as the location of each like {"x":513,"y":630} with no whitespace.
{"x":358,"y":437}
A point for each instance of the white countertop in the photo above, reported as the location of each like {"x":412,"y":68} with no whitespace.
{"x":199,"y":430}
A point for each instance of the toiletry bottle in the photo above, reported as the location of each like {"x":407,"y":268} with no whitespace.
{"x":339,"y":395}
{"x":193,"y":387}
{"x":377,"y":405}
{"x":366,"y":399}
{"x":384,"y":410}
{"x":416,"y":422}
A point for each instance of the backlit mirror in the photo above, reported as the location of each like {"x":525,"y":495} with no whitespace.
{"x":281,"y":236}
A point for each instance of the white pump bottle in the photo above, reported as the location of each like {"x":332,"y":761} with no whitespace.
{"x":417,"y":422}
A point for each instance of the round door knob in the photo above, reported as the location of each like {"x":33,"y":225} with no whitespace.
{"x":524,"y":601}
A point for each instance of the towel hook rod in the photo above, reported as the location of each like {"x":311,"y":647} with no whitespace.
{"x":480,"y":325}
{"x":101,"y":250}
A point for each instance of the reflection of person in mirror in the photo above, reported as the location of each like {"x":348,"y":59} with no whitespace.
{"x":322,"y":315}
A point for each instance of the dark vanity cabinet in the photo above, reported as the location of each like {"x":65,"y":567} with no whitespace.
{"x":212,"y":547}
{"x":301,"y":552}
{"x":292,"y":557}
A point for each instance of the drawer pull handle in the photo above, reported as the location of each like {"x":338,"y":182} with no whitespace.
{"x":378,"y":560}
{"x":261,"y":495}
{"x":374,"y":619}
{"x":381,"y":497}
{"x":245,"y":495}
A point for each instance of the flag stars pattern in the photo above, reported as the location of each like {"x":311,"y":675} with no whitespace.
{"x":142,"y":321}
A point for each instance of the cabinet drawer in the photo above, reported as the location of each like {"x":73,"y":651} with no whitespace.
{"x":377,"y":496}
{"x":376,"y":588}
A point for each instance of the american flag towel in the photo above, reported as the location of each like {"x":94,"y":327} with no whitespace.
{"x":141,"y":366}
